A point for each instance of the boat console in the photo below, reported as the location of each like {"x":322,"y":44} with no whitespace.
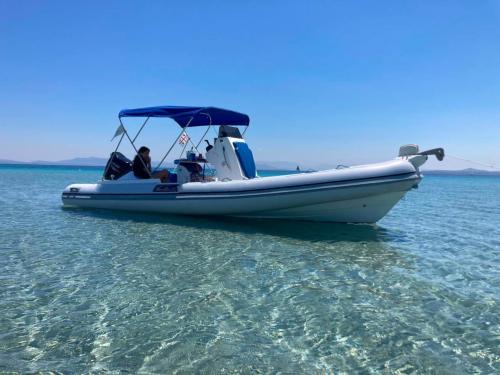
{"x":231,"y":156}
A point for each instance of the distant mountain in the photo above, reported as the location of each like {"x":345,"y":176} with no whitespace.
{"x":6,"y":161}
{"x":80,"y":162}
{"x":262,"y":165}
{"x":96,"y":161}
{"x":91,"y":161}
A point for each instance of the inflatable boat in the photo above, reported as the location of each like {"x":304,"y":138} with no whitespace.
{"x":223,"y":180}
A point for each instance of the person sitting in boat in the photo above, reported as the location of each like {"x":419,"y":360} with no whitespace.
{"x":142,"y":166}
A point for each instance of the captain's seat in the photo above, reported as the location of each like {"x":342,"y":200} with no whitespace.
{"x":245,"y":157}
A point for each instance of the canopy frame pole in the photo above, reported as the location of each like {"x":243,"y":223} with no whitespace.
{"x":192,"y":144}
{"x":201,"y":139}
{"x":173,"y":144}
{"x":140,"y":130}
{"x":137,"y":152}
{"x":185,"y":145}
{"x":125,"y":133}
{"x":204,"y":134}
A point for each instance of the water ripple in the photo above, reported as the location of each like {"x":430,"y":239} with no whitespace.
{"x":97,"y":291}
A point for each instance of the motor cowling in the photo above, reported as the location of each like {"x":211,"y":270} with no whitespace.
{"x":408,"y":150}
{"x":117,"y":166}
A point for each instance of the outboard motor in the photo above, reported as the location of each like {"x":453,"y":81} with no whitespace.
{"x":417,"y":157}
{"x":117,"y":166}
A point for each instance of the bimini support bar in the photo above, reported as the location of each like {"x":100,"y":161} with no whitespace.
{"x":206,"y":131}
{"x":192,"y":144}
{"x":125,"y":133}
{"x":140,"y":130}
{"x":173,"y":144}
{"x":201,"y":139}
{"x":137,"y":153}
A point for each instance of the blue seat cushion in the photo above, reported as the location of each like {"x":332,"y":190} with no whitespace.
{"x":245,"y":157}
{"x":172,"y":177}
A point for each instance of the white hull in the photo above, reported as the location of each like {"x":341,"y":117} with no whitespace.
{"x":362,"y":194}
{"x":362,"y":210}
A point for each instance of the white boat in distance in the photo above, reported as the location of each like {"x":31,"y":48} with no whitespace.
{"x":356,"y":194}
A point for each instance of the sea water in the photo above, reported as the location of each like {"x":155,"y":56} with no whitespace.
{"x":102,"y":291}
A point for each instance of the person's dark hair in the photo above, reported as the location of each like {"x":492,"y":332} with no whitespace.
{"x":143,"y":149}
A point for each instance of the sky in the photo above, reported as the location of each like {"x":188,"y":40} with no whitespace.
{"x":324,"y":82}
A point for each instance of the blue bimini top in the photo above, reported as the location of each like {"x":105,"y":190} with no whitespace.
{"x":191,"y":116}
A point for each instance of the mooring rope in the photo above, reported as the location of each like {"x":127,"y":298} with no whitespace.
{"x":473,"y":162}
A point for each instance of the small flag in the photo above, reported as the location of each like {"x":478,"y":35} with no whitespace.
{"x":183,"y":139}
{"x":119,"y":131}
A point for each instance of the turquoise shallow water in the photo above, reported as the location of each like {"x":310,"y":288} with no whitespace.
{"x":95,"y":291}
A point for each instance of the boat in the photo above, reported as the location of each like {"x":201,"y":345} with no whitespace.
{"x":223,"y":180}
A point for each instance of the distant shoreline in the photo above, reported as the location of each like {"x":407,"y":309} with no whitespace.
{"x":460,"y":172}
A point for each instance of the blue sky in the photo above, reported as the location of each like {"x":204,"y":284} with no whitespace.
{"x":323,"y":82}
